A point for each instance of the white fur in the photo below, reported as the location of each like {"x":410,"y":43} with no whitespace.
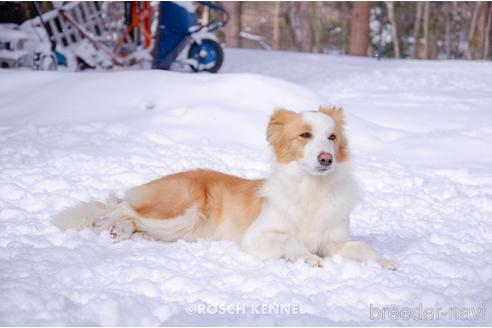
{"x":322,"y":126}
{"x":79,"y":217}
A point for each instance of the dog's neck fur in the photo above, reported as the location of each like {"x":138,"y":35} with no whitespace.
{"x":300,"y":195}
{"x":291,"y":177}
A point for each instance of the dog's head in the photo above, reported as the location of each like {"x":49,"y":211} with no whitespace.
{"x":315,"y":140}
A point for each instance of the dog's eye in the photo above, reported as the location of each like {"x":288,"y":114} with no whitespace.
{"x":332,"y":137}
{"x":305,"y":135}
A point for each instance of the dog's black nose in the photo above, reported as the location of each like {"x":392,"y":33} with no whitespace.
{"x":325,"y":159}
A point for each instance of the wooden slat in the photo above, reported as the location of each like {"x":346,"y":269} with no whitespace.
{"x":85,"y":11}
{"x":55,"y":32}
{"x":66,"y":30}
{"x":77,"y":14}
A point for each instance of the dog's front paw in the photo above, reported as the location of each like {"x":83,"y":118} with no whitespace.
{"x":387,"y":264}
{"x":314,"y":261}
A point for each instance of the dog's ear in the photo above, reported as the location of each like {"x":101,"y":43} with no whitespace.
{"x":278,"y":119}
{"x":336,"y":113}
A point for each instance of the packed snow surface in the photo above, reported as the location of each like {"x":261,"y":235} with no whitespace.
{"x":420,"y":135}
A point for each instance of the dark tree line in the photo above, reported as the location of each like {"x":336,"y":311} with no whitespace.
{"x":424,"y":29}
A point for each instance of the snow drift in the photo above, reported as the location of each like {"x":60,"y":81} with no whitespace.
{"x":420,"y":134}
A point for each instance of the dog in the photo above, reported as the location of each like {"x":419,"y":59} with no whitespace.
{"x":301,"y":212}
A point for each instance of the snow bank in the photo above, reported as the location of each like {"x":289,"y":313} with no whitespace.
{"x":437,"y":111}
{"x":195,"y":106}
{"x":420,"y":133}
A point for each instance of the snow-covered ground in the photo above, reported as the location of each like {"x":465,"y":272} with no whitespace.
{"x":420,"y":133}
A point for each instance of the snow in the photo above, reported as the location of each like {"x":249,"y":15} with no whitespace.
{"x":420,"y":134}
{"x":11,"y":38}
{"x":12,"y":54}
{"x":11,"y":33}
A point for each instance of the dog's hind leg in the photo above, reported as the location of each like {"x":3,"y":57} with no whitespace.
{"x":114,"y":215}
{"x":122,"y":230}
{"x":120,"y":220}
{"x":184,"y":227}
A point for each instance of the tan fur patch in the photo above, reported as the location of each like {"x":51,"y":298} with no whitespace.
{"x":283,"y":133}
{"x":223,"y":200}
{"x":341,"y":141}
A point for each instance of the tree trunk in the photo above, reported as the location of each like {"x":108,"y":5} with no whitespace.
{"x":306,"y":37}
{"x":316,"y":26}
{"x":448,"y":14}
{"x":233,"y":27}
{"x":290,"y":19}
{"x":426,"y":29}
{"x":487,"y":34}
{"x":45,"y":6}
{"x":457,"y":25}
{"x":359,"y":34}
{"x":394,"y":31}
{"x":276,"y":26}
{"x":416,"y":28}
{"x":477,"y":41}
{"x":474,"y":20}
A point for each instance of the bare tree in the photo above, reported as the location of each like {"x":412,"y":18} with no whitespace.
{"x":416,"y":27}
{"x":306,"y":36}
{"x":426,"y":29}
{"x":276,"y":26}
{"x":447,"y":27}
{"x":316,"y":26}
{"x":359,"y":34}
{"x":478,"y":39}
{"x":394,"y":31}
{"x":233,"y":27}
{"x":473,"y":22}
{"x":487,"y":34}
{"x":292,"y":22}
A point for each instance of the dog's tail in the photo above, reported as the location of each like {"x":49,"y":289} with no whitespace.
{"x":99,"y":216}
{"x":84,"y":215}
{"x":80,"y":216}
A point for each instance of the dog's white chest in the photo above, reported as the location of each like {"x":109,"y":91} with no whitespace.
{"x":321,"y":219}
{"x":314,"y":212}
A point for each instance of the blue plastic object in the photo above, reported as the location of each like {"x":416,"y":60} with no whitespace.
{"x":174,"y":24}
{"x":60,"y":59}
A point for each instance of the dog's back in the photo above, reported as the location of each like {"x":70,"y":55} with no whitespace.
{"x":188,"y":205}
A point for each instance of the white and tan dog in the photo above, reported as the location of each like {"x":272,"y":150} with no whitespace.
{"x":300,"y":212}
